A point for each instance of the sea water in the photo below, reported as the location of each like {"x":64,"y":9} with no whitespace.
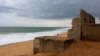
{"x":9,"y":35}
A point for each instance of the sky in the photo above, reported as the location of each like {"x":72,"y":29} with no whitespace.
{"x":44,"y":13}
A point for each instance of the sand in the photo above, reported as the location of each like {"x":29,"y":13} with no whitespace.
{"x":17,"y":49}
{"x":64,"y":35}
{"x":82,"y":48}
{"x":20,"y":49}
{"x":77,"y":48}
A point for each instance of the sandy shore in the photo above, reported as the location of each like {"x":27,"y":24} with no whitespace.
{"x":22,"y":48}
{"x":79,"y":48}
{"x":17,"y":49}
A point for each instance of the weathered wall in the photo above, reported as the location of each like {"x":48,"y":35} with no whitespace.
{"x":48,"y":44}
{"x":76,"y":29}
{"x":86,"y":18}
{"x":91,"y":32}
{"x":84,"y":27}
{"x":51,"y":46}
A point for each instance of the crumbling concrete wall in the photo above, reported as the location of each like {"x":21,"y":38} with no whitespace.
{"x":75,"y":32}
{"x":91,"y":32}
{"x":49,"y":44}
{"x":84,"y":27}
{"x":86,"y":18}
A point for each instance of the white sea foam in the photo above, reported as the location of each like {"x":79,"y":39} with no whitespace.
{"x":20,"y":37}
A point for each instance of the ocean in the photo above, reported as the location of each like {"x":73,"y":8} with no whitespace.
{"x":9,"y":35}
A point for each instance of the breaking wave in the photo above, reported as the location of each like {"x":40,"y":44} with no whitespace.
{"x":20,"y":37}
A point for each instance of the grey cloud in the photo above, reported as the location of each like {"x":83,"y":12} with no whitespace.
{"x":6,"y":9}
{"x":50,"y":9}
{"x":53,"y":8}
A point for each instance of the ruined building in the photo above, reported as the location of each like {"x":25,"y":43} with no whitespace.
{"x":50,"y":44}
{"x":84,"y":27}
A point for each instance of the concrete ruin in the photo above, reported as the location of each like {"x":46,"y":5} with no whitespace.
{"x":84,"y":27}
{"x":50,"y":44}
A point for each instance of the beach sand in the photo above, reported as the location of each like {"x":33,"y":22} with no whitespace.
{"x":64,"y":34}
{"x":77,"y":48}
{"x":17,"y":49}
{"x":20,"y":49}
{"x":82,"y":48}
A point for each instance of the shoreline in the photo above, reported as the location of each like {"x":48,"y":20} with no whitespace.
{"x":17,"y":38}
{"x":20,"y":48}
{"x":15,"y":43}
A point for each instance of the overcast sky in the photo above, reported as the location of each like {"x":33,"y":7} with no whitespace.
{"x":44,"y":13}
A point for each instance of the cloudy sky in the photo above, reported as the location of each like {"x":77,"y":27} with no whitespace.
{"x":50,"y":13}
